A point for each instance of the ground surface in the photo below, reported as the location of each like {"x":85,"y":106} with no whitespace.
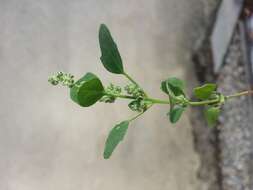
{"x":48,"y":142}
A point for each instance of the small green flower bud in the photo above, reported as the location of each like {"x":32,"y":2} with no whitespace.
{"x":53,"y":80}
{"x":139,"y":105}
{"x":134,"y":90}
{"x":111,"y":89}
{"x":65,"y":79}
{"x":107,"y":99}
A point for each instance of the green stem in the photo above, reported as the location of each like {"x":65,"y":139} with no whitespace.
{"x":138,"y":115}
{"x":157,"y":101}
{"x":247,"y":92}
{"x":200,"y":103}
{"x":204,"y":102}
{"x":131,"y":79}
{"x":153,"y":100}
{"x":134,"y":82}
{"x":120,"y":96}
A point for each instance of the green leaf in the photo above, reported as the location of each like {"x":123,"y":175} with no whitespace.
{"x":205,"y":91}
{"x":175,"y":82}
{"x":110,"y":55}
{"x":164,"y":87}
{"x":173,"y":87}
{"x":115,"y":136}
{"x":211,"y":114}
{"x":87,"y":90}
{"x":175,"y":113}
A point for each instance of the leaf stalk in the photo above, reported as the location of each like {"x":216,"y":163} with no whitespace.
{"x":134,"y":82}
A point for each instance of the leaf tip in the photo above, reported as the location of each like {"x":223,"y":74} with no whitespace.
{"x":102,"y":27}
{"x":106,"y":156}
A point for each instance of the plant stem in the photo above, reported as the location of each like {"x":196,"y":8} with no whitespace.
{"x":121,"y":96}
{"x":157,"y":101}
{"x":204,"y":102}
{"x":247,"y":92}
{"x":138,"y":115}
{"x":134,"y":82}
{"x":153,"y":100}
{"x":200,"y":103}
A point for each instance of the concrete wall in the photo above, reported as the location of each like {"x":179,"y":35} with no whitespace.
{"x":48,"y":142}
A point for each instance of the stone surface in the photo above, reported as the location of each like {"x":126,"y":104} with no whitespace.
{"x":205,"y":139}
{"x":235,"y":129}
{"x":223,"y":30}
{"x":48,"y":142}
{"x":226,"y":151}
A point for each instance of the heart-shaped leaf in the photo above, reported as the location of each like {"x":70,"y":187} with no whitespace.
{"x":173,"y":86}
{"x":87,"y":90}
{"x":175,"y":113}
{"x":110,"y":57}
{"x":115,"y":136}
{"x":211,"y":114}
{"x":205,"y":91}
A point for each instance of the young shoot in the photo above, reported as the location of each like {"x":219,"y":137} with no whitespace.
{"x":89,"y":89}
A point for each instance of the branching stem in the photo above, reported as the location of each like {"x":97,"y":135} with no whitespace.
{"x":120,"y":96}
{"x":139,"y":114}
{"x":204,"y":102}
{"x":157,"y":101}
{"x":192,"y":103}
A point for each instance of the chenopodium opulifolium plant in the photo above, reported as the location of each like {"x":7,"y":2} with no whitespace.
{"x":89,"y":89}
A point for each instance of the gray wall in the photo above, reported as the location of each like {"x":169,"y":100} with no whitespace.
{"x":48,"y":142}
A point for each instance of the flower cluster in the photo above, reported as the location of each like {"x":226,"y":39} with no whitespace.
{"x":139,"y":105}
{"x":111,"y":91}
{"x":134,"y":90}
{"x":65,"y":79}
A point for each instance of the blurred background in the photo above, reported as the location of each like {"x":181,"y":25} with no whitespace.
{"x":49,"y":142}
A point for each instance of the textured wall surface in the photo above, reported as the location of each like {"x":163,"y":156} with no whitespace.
{"x":48,"y":142}
{"x":226,"y":151}
{"x":235,"y":130}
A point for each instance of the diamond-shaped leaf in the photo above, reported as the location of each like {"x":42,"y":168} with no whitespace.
{"x":87,"y":90}
{"x":205,"y":91}
{"x":115,"y":136}
{"x":110,"y":57}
